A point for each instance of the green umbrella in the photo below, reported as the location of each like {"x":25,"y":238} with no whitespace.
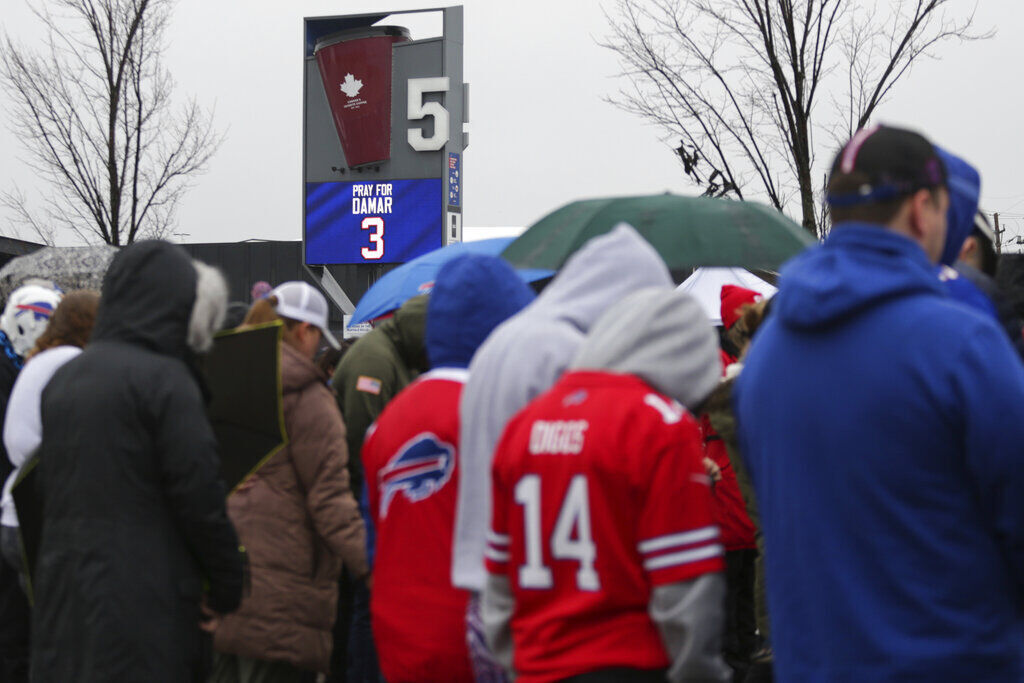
{"x":687,"y":232}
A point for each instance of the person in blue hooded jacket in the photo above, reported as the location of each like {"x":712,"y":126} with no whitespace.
{"x":883,"y":426}
{"x":972,"y":280}
{"x":411,"y":459}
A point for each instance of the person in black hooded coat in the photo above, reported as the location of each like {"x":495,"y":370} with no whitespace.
{"x":134,"y":526}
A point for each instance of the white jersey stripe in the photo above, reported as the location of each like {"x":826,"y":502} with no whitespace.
{"x":684,"y":557}
{"x":496,"y":555}
{"x":705,"y":533}
{"x":498,"y":539}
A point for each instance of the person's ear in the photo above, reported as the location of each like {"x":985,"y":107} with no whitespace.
{"x":970,"y":246}
{"x":916,"y":219}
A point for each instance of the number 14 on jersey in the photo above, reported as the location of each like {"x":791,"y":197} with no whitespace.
{"x":573,"y":516}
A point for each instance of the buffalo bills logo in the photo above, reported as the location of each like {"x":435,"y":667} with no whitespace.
{"x":575,"y":398}
{"x":40,"y":310}
{"x":419,"y":470}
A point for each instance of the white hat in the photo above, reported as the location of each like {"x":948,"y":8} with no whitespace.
{"x":300,"y":301}
{"x":982,"y":225}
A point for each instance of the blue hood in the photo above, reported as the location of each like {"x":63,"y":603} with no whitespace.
{"x":859,"y":265}
{"x":472,"y":295}
{"x":964,"y":184}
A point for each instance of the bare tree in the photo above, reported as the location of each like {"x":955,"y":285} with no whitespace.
{"x":93,"y":109}
{"x":741,"y":83}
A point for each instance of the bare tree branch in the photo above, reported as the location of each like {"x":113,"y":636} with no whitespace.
{"x":739,"y":82}
{"x":92,"y":106}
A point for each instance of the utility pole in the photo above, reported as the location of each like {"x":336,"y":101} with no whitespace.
{"x":999,"y":233}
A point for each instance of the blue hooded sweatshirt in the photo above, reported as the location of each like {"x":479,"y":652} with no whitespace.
{"x":883,"y":426}
{"x":964,"y":192}
{"x":472,"y":295}
{"x":964,"y":184}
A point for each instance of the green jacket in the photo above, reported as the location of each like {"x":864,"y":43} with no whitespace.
{"x":374,"y":370}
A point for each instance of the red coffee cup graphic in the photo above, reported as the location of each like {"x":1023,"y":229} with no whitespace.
{"x":355,"y":67}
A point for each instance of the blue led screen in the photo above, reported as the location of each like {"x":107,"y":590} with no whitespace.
{"x":387,"y":221}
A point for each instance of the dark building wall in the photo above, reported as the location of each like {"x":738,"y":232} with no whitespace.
{"x":245,"y":263}
{"x":10,"y":247}
{"x":1010,"y":277}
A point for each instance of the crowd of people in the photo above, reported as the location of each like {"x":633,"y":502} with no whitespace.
{"x":588,"y":484}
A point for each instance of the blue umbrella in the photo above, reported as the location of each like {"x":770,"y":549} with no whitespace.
{"x":417,"y":276}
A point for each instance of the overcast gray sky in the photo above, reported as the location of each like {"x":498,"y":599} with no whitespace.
{"x":540,"y":134}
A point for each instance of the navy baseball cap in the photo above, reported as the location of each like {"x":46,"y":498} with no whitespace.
{"x":887,"y":163}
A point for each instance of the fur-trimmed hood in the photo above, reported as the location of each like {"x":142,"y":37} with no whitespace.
{"x":156,"y":297}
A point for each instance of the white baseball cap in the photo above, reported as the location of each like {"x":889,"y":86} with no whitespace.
{"x":982,"y":225}
{"x":301,"y":301}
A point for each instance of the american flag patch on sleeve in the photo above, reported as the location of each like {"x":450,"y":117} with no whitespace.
{"x":370,"y":385}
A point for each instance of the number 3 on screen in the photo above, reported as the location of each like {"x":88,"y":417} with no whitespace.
{"x":376,"y":252}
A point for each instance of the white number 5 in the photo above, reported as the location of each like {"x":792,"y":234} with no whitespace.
{"x":419,"y":109}
{"x":376,"y":224}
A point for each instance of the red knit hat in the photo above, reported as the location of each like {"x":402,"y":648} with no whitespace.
{"x":732,"y":298}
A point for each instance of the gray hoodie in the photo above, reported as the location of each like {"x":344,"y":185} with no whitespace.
{"x":523,"y":357}
{"x":664,"y":338}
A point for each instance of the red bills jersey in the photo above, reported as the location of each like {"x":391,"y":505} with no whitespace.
{"x":410,"y":459}
{"x":728,"y":507}
{"x":599,"y":495}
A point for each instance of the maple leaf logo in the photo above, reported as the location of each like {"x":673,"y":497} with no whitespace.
{"x":351,"y":86}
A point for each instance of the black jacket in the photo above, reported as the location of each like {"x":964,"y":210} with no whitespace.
{"x":135,"y":527}
{"x":14,"y":608}
{"x":10,"y":366}
{"x":1008,"y":317}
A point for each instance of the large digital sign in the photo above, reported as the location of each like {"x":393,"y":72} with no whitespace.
{"x":383,"y":135}
{"x":390,"y":221}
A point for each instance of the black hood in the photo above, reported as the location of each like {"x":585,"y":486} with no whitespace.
{"x":148,"y":294}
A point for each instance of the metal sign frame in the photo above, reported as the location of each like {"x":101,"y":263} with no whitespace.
{"x":427,"y":89}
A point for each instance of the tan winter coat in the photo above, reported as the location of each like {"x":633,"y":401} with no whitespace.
{"x":298,"y":520}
